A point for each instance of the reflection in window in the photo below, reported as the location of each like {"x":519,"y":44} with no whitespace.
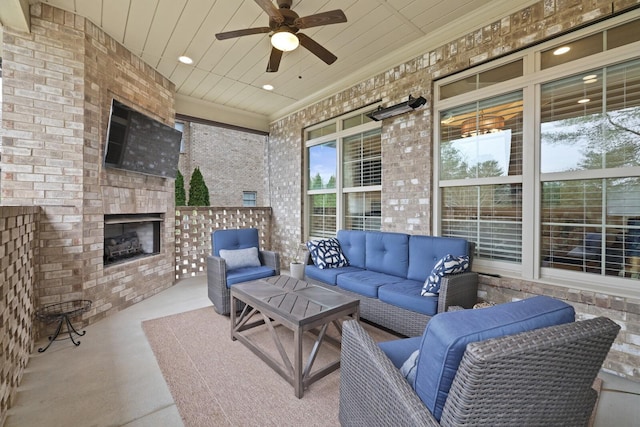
{"x":322,"y":166}
{"x":591,"y":121}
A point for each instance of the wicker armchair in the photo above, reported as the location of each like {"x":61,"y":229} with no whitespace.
{"x":540,"y":377}
{"x":220,"y":277}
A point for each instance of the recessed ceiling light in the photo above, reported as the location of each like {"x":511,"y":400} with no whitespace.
{"x":185,"y":60}
{"x":561,"y":50}
{"x":267,"y":87}
{"x":583,"y":100}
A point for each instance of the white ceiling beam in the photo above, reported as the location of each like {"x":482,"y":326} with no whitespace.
{"x":15,"y":14}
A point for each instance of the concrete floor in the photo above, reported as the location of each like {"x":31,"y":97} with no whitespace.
{"x":112,"y":378}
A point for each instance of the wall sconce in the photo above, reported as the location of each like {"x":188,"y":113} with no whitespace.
{"x":403,"y":107}
{"x":481,"y":125}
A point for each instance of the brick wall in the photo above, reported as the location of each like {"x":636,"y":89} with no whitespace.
{"x":18,"y":268}
{"x":407,"y":153}
{"x":58,"y":83}
{"x":231,"y":161}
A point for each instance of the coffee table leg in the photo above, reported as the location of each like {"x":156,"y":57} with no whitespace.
{"x":297,"y":369}
{"x":233,"y":316}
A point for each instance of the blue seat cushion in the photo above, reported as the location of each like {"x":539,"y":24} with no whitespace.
{"x":352,"y":243}
{"x":398,"y":351}
{"x":387,"y":253}
{"x":245,"y":274}
{"x":447,"y":335}
{"x":364,"y":282}
{"x":406,"y":294}
{"x":327,"y":275}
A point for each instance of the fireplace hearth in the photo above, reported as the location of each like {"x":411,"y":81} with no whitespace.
{"x":131,"y":236}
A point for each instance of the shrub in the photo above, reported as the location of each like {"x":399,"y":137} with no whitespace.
{"x":198,"y":191}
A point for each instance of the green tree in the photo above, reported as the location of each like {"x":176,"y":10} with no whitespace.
{"x":198,"y":191}
{"x":181,"y":195}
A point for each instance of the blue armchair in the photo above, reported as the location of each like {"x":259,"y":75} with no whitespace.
{"x":235,"y":258}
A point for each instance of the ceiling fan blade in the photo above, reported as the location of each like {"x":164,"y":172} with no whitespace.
{"x":239,"y":33}
{"x":272,"y":11}
{"x":316,"y":49}
{"x":325,"y":18}
{"x":274,"y":60}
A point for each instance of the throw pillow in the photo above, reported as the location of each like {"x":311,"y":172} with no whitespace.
{"x":408,"y":368}
{"x":449,"y":264}
{"x":327,"y":253}
{"x":238,"y":258}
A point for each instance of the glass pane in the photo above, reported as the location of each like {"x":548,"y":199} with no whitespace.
{"x":322,"y":221}
{"x":321,"y":131}
{"x":459,"y":87}
{"x":322,"y":166}
{"x":576,"y":216}
{"x":490,"y":216}
{"x":500,"y":74}
{"x":482,"y":139}
{"x":363,"y":211}
{"x":574,"y":132}
{"x":623,"y":34}
{"x":576,"y":49}
{"x":355,"y":121}
{"x":362,"y":160}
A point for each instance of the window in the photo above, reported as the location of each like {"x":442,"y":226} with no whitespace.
{"x":249,"y":198}
{"x":542,"y":172}
{"x":344,"y":175}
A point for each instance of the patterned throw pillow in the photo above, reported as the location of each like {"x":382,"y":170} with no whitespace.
{"x":449,"y":264}
{"x":326,"y":253}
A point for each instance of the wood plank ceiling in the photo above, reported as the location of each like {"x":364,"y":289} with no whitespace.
{"x":232,"y":72}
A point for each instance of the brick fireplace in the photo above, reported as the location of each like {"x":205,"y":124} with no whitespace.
{"x":58,"y":84}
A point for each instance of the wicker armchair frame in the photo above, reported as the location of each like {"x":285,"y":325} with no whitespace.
{"x":218,"y":292}
{"x":540,"y":377}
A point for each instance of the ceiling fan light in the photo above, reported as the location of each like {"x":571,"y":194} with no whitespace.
{"x":284,"y":41}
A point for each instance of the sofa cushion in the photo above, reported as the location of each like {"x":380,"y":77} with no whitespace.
{"x":447,"y":335}
{"x":327,"y":275}
{"x":352,"y":243}
{"x":238,"y":258}
{"x":364,"y":282}
{"x":246,"y":274}
{"x":387,"y":253}
{"x":326,"y":253}
{"x":449,"y":264}
{"x":425,"y":251}
{"x":407,"y":294}
{"x":234,"y":239}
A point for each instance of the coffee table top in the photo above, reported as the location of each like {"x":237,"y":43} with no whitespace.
{"x":292,"y":299}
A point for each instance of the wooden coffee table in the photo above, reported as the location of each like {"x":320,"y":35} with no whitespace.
{"x":298,"y":306}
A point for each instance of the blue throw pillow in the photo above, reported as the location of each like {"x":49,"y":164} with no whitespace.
{"x":449,"y":264}
{"x":327,"y":253}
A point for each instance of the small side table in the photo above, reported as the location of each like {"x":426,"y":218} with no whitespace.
{"x":62,"y":313}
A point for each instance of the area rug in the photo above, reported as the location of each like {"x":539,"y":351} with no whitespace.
{"x":219,"y":382}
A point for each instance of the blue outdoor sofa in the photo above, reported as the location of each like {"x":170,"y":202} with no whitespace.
{"x":387,"y":271}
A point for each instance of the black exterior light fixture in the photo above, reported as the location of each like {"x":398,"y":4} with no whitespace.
{"x":403,"y":107}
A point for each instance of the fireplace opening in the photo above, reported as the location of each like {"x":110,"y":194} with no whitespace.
{"x":131,"y":236}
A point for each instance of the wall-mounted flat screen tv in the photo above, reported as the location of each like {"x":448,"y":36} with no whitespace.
{"x":138,"y":143}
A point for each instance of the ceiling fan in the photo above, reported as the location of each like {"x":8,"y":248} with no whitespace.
{"x":285,"y":24}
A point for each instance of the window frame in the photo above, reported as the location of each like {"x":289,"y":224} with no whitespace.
{"x":338,"y":137}
{"x":532,"y":179}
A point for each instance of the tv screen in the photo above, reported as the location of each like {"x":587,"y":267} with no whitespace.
{"x":138,"y":143}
